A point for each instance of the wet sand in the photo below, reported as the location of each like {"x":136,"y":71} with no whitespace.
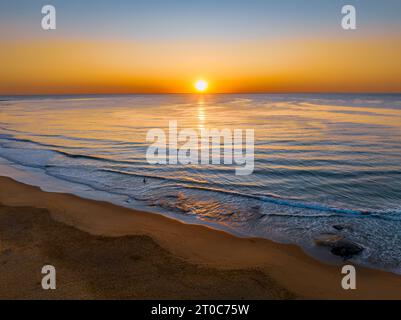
{"x":104,"y":251}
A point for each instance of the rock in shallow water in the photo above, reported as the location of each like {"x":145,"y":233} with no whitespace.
{"x":328,"y":239}
{"x":346,"y":249}
{"x":340,"y":227}
{"x":339,"y":246}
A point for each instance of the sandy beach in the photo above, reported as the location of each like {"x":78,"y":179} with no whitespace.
{"x":104,"y":251}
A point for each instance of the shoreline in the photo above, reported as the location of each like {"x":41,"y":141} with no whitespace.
{"x":52,"y":184}
{"x":291,"y":272}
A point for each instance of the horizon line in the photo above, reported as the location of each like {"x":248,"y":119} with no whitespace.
{"x":195,"y":93}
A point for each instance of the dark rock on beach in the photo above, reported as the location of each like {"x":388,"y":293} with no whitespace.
{"x":346,"y":249}
{"x":339,"y":246}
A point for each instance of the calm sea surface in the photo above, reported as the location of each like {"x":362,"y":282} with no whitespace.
{"x":320,"y":161}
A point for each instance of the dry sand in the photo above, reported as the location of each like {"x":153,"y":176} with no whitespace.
{"x":104,"y":251}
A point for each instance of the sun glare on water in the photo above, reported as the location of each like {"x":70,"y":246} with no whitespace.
{"x":201,"y":85}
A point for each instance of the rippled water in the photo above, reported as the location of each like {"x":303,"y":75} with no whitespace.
{"x":320,"y":161}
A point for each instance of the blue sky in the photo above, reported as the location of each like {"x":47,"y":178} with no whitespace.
{"x":207,"y":19}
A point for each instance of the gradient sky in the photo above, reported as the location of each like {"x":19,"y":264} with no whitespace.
{"x":151,"y":46}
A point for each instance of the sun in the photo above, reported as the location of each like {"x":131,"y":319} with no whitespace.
{"x":201,"y":85}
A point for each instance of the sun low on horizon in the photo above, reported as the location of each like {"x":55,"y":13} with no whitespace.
{"x":201,"y":86}
{"x":150,"y":47}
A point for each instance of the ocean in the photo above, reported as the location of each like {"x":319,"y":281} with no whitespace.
{"x":324,"y":163}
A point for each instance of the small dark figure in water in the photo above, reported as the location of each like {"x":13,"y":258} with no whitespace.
{"x":144,"y":180}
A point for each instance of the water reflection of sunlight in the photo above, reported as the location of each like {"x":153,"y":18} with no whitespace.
{"x":201,"y":113}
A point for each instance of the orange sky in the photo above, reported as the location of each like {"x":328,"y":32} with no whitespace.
{"x":343,"y":64}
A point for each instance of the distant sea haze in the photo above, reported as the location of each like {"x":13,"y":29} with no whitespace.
{"x":324,"y":164}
